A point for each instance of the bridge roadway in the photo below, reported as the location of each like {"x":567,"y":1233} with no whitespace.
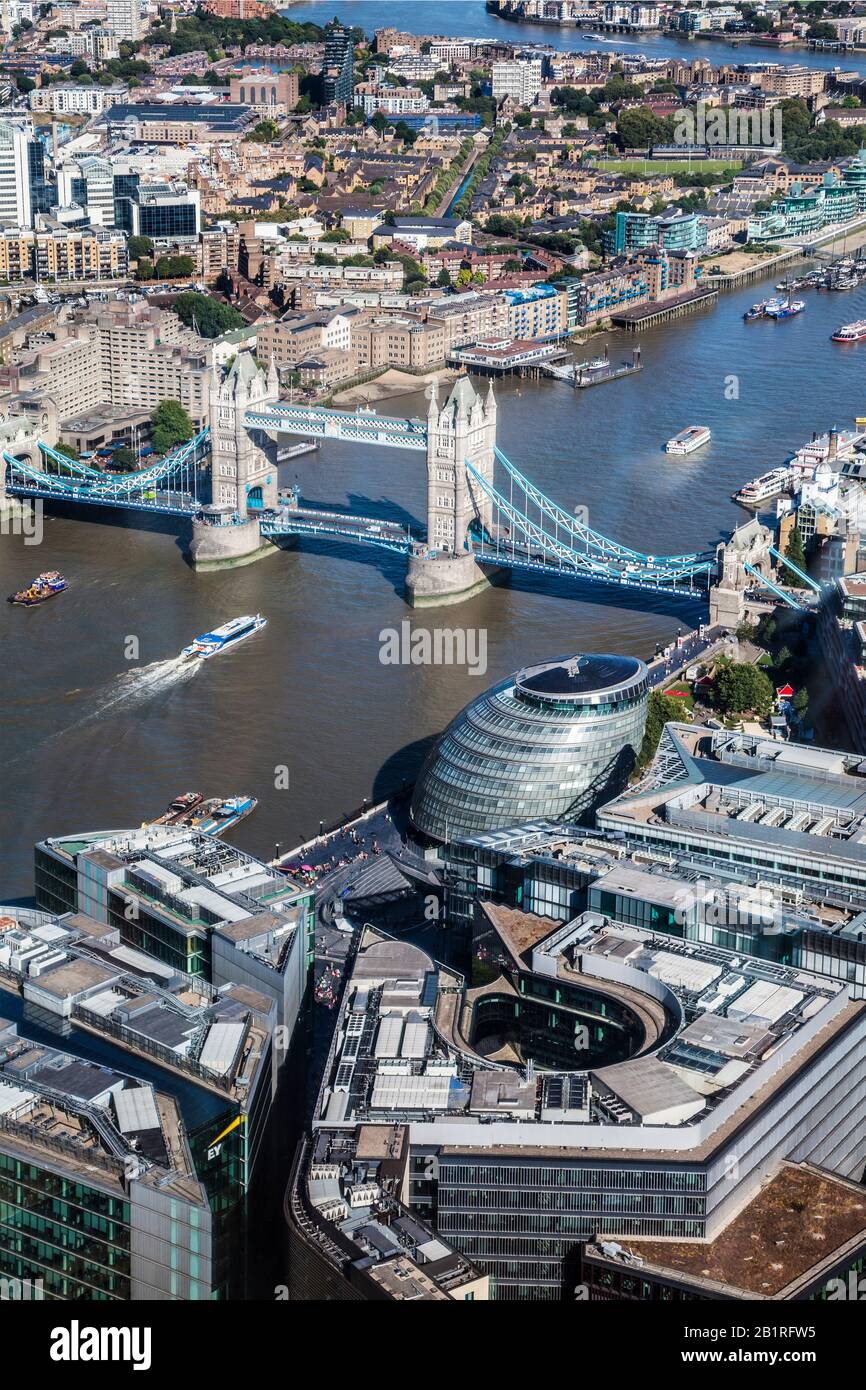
{"x":353,"y":426}
{"x":166,"y":501}
{"x":556,"y":544}
{"x":308,"y":521}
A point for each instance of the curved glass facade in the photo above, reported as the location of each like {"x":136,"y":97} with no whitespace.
{"x":555,"y":740}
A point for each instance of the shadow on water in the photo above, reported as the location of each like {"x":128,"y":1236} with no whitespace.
{"x":119,"y":519}
{"x":689,"y":611}
{"x":360,"y":504}
{"x":401,"y":769}
{"x":389,"y":564}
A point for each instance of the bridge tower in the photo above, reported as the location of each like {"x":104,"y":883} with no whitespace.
{"x":460,"y":431}
{"x":243,"y":461}
{"x":748,"y":544}
{"x":243,"y":468}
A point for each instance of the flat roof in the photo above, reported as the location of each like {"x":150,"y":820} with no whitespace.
{"x":795,"y":1223}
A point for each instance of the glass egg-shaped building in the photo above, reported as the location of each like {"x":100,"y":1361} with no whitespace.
{"x":555,"y":741}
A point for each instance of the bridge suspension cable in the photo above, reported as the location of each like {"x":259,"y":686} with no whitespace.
{"x":143,"y":489}
{"x":559,"y":541}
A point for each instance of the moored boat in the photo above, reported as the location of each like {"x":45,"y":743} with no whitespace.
{"x":762,"y":488}
{"x":235,"y":807}
{"x":179,"y":809}
{"x":783,"y":308}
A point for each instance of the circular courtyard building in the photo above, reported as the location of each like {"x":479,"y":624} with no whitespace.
{"x":555,"y":741}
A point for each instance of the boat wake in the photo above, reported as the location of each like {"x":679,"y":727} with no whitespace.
{"x":125,"y":691}
{"x":140,"y":684}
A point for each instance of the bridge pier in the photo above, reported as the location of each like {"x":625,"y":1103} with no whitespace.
{"x":219,"y":545}
{"x":434,"y":581}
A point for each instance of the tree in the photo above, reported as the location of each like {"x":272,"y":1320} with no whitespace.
{"x":264,"y":132}
{"x":782,"y":659}
{"x":124,"y":459}
{"x":766,"y":630}
{"x":795,"y":553}
{"x":174,"y":267}
{"x":210,"y":317}
{"x":661,"y":710}
{"x":144,"y":269}
{"x":739,"y":686}
{"x":638,"y":128}
{"x":139,"y":246}
{"x":170,"y":425}
{"x":70,"y":453}
{"x":443,"y":279}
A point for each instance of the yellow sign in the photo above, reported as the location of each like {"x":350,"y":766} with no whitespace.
{"x":214,"y":1149}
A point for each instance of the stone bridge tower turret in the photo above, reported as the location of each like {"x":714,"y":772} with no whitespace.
{"x":244,"y":477}
{"x":460,"y":431}
{"x":244,"y":461}
{"x":463,"y":429}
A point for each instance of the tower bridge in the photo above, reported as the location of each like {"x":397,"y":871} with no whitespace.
{"x":483,"y":514}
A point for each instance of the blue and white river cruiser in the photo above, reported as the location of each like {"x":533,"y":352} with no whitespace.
{"x":221,"y":638}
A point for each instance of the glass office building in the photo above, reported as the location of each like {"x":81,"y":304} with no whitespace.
{"x":70,"y":1238}
{"x":555,"y":741}
{"x":163,"y":212}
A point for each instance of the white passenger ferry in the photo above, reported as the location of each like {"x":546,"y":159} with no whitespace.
{"x":770,"y":484}
{"x":221,"y":638}
{"x":850,"y":332}
{"x":695,"y":437}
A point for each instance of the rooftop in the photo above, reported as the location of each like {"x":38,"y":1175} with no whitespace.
{"x":748,"y":787}
{"x":797,"y":1225}
{"x":580,"y":676}
{"x":710,"y":1031}
{"x":79,"y":971}
{"x":103,"y":1126}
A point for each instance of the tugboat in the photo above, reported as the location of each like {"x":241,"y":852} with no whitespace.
{"x":44,"y":587}
{"x":757,"y":311}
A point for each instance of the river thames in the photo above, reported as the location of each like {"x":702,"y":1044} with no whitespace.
{"x":94,"y":739}
{"x":470,"y":18}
